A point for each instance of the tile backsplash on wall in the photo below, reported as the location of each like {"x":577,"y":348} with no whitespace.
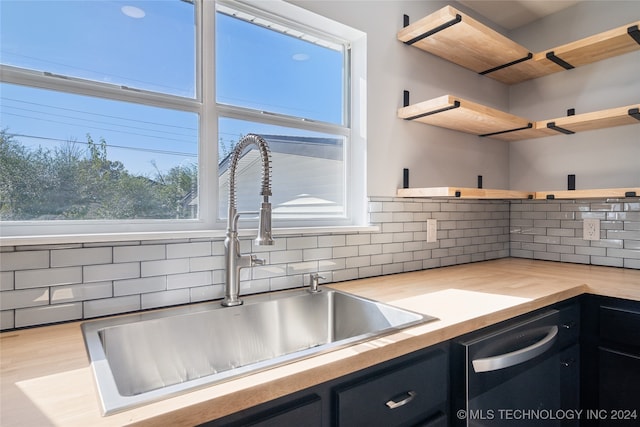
{"x":552,"y":230}
{"x":56,"y":283}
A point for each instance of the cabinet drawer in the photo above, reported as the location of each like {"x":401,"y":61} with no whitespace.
{"x":620,"y":325}
{"x":397,"y":397}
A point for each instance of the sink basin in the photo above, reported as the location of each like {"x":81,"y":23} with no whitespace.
{"x":140,"y":358}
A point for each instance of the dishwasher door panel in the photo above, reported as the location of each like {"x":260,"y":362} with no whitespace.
{"x":519,"y":375}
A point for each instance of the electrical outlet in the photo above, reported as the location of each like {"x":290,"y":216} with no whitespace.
{"x":432,"y":230}
{"x":591,"y":229}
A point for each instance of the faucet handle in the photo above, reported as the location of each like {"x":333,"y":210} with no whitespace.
{"x":257,"y":261}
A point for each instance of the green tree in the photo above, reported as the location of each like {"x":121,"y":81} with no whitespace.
{"x":72,"y":182}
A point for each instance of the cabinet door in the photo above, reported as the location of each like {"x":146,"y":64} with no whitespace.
{"x":404,"y":396}
{"x":619,"y":392}
{"x":304,"y":412}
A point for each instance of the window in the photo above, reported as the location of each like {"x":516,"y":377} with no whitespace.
{"x":114,"y":119}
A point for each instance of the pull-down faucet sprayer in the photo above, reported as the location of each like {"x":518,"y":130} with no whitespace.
{"x":234,"y":260}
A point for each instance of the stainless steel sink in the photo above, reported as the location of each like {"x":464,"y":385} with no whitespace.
{"x":140,"y":358}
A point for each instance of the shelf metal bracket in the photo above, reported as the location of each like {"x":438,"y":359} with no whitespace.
{"x":455,"y":105}
{"x":431,"y":32}
{"x":564,"y":64}
{"x":635,"y":113}
{"x":528,"y":126}
{"x":508,"y":64}
{"x":552,"y":125}
{"x":634,"y":33}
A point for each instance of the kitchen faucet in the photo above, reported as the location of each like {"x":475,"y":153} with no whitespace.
{"x":234,"y":260}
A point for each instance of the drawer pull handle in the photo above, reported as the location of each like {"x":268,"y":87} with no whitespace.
{"x":392,"y":404}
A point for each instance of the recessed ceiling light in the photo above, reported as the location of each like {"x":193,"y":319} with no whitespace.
{"x":133,"y":12}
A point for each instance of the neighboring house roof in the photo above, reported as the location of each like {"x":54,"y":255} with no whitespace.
{"x":308,"y":146}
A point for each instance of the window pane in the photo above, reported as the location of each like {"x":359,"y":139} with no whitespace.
{"x":65,"y":156}
{"x":146,"y":45}
{"x":308,"y":171}
{"x":268,"y":70}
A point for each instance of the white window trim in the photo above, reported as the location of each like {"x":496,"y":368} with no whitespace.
{"x":46,"y":232}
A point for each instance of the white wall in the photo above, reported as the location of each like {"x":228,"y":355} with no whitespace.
{"x":435,"y":156}
{"x":441,"y":157}
{"x":600,"y":159}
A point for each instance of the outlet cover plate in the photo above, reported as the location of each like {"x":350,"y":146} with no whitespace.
{"x":432,"y":230}
{"x":591,"y":229}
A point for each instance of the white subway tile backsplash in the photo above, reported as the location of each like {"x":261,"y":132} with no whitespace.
{"x":316,"y":254}
{"x":82,"y":256}
{"x":332,"y":264}
{"x":47,"y":277}
{"x":300,"y":268}
{"x":359,"y":239}
{"x":345,"y":252}
{"x":282,"y":257}
{"x":163,"y":267}
{"x":49,"y":283}
{"x":48,"y":314}
{"x":138,"y":253}
{"x":24,"y":298}
{"x":205,"y":293}
{"x":359,"y":261}
{"x":81,"y":292}
{"x":23,"y":260}
{"x":7,"y":319}
{"x":166,"y":298}
{"x":187,"y":250}
{"x":7,"y":281}
{"x":189,"y":280}
{"x":254,"y":286}
{"x":139,"y":285}
{"x":110,"y":306}
{"x":302,"y":242}
{"x":331,"y":241}
{"x":101,"y":273}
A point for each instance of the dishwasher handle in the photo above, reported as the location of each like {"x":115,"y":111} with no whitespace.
{"x":516,"y":357}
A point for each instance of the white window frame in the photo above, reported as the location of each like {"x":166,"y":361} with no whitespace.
{"x":204,"y":104}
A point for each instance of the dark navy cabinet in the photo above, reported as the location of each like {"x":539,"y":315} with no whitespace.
{"x":412,"y":390}
{"x":611,"y":361}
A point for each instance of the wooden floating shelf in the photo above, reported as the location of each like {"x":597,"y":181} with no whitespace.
{"x":466,"y":116}
{"x":456,"y":37}
{"x":482,"y":193}
{"x":464,"y":193}
{"x":589,"y":194}
{"x":458,"y":114}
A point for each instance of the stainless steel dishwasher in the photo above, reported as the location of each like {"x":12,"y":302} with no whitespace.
{"x":524,"y":373}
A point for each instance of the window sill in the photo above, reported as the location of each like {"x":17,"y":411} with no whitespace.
{"x":172,"y":235}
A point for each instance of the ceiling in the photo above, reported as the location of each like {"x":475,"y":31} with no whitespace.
{"x":516,"y":13}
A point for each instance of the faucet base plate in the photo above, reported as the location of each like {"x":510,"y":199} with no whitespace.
{"x":231,"y":302}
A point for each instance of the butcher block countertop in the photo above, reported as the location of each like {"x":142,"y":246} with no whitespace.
{"x":46,"y":379}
